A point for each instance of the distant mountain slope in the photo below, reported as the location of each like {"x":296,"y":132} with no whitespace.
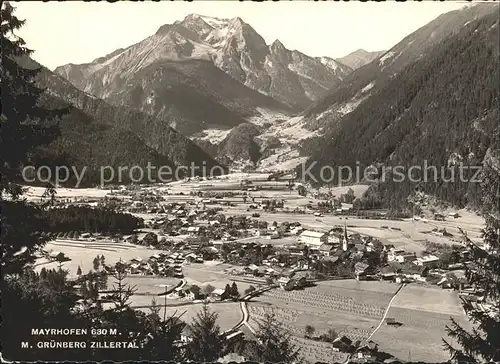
{"x":140,"y":131}
{"x":193,"y":95}
{"x":359,"y":58}
{"x":240,"y":145}
{"x":88,"y":146}
{"x":442,"y":109}
{"x":232,"y":45}
{"x":366,"y":80}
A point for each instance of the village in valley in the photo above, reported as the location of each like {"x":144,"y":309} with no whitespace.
{"x":348,"y":284}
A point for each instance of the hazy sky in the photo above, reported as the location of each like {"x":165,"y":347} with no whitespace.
{"x":79,"y":32}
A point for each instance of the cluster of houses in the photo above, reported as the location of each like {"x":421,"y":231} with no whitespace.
{"x":205,"y":226}
{"x":398,"y":265}
{"x":191,"y":294}
{"x":163,"y":264}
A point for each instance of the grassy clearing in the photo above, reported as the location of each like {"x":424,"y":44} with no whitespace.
{"x":429,"y":299}
{"x":419,"y":338}
{"x":381,"y":288}
{"x":203,"y":274}
{"x":34,"y":193}
{"x":424,"y":313}
{"x":82,"y":254}
{"x":147,"y":285}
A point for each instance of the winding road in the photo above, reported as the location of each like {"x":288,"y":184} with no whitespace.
{"x":244,"y":309}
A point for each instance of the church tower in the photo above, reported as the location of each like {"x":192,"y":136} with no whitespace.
{"x":345,"y":238}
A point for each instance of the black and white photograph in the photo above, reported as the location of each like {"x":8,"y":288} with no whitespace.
{"x":250,"y":181}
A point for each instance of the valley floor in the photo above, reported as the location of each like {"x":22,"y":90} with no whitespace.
{"x":352,"y":308}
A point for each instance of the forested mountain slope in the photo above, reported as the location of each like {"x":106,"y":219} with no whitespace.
{"x":366,"y":80}
{"x":153,"y":132}
{"x":240,"y":145}
{"x":443,"y":109}
{"x":87,"y":145}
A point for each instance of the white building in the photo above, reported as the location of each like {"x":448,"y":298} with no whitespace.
{"x":217,"y":294}
{"x":313,"y":238}
{"x":425,"y":260}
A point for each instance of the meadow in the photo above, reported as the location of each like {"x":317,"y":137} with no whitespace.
{"x":424,"y":313}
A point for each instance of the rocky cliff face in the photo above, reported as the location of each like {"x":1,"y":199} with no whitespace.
{"x":232,"y":45}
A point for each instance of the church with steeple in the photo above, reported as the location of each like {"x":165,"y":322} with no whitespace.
{"x":345,"y":238}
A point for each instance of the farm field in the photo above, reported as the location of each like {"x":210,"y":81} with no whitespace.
{"x":314,"y":351}
{"x":82,"y":253}
{"x":423,"y":312}
{"x":34,"y":193}
{"x":354,"y":287}
{"x":213,"y":274}
{"x":349,"y":307}
{"x":295,"y":318}
{"x":229,"y":312}
{"x":431,"y":299}
{"x":147,"y":285}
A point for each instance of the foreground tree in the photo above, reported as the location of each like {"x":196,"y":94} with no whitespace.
{"x":36,"y":300}
{"x":273,"y":343}
{"x":207,"y":344}
{"x":25,"y":125}
{"x":47,"y":299}
{"x":163,"y":334}
{"x":234,"y":291}
{"x":309,"y":330}
{"x":482,"y":343}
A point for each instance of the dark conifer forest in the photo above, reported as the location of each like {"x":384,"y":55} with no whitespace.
{"x":444,"y":108}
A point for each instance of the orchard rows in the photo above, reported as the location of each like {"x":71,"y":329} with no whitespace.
{"x":327,"y":301}
{"x":316,"y":351}
{"x":288,"y":319}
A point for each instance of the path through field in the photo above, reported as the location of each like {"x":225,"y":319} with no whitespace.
{"x":386,"y":312}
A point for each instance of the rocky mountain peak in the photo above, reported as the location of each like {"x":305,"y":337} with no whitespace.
{"x":164,"y":29}
{"x":277,"y":46}
{"x":232,"y":45}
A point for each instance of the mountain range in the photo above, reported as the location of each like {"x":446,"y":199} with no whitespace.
{"x":250,"y":104}
{"x":359,"y":58}
{"x":433,"y":97}
{"x":95,"y":133}
{"x":208,"y":75}
{"x":231,"y":45}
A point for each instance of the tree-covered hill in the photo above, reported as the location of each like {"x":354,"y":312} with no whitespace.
{"x":443,"y":109}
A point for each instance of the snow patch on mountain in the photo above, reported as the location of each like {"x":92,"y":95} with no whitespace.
{"x":367,"y":87}
{"x":214,"y":22}
{"x":214,"y":136}
{"x":267,"y":116}
{"x":329,"y":62}
{"x":348,"y":107}
{"x":385,"y":57}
